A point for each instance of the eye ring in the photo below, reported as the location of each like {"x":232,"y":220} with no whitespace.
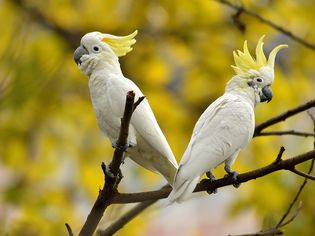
{"x":259,"y":80}
{"x":96,"y":49}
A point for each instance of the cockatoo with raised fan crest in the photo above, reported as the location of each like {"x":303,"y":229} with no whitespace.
{"x":227,"y":125}
{"x":97,"y":57}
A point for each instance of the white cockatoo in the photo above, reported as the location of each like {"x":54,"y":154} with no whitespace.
{"x":97,"y":57}
{"x":228,"y":124}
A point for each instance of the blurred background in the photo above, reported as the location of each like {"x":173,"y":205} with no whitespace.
{"x":51,"y":147}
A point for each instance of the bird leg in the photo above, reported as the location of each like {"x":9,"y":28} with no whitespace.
{"x":211,"y":178}
{"x":233,"y":174}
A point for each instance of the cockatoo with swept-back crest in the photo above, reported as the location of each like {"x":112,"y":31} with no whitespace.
{"x":97,"y":57}
{"x":227,"y":125}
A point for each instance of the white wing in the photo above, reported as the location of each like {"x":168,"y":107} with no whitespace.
{"x":225,"y":127}
{"x":143,"y":119}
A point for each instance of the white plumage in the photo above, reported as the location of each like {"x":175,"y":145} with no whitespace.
{"x":221,"y":132}
{"x":98,"y":58}
{"x":227,"y":125}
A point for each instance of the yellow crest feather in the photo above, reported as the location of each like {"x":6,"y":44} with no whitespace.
{"x":121,"y":45}
{"x":245,"y":62}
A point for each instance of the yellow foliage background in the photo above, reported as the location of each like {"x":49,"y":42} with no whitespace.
{"x":51,"y":147}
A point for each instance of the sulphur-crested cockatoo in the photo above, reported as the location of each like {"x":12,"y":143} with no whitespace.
{"x":97,"y":57}
{"x":227,"y":125}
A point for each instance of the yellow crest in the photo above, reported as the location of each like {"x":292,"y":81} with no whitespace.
{"x":121,"y":45}
{"x":245,"y":62}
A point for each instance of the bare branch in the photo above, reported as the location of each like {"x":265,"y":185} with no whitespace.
{"x":313,"y":119}
{"x":124,"y":219}
{"x":112,"y":173}
{"x":206,"y":184}
{"x":280,"y":223}
{"x":279,"y":157}
{"x":283,"y":116}
{"x":268,"y":232}
{"x":73,"y":38}
{"x":140,"y":99}
{"x":286,"y":132}
{"x":269,"y":23}
{"x":300,"y":173}
{"x":70,"y":233}
{"x":237,"y":21}
{"x":293,"y":216}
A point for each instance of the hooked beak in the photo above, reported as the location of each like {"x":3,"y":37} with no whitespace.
{"x":78,"y":53}
{"x":266,"y":94}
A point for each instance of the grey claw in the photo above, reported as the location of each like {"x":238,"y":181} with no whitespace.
{"x":233,"y":175}
{"x":211,"y":178}
{"x":212,"y":191}
{"x":210,"y":175}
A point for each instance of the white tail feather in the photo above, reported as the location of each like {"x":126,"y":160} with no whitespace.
{"x":183,"y":191}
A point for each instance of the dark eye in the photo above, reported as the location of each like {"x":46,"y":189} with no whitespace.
{"x":259,"y":80}
{"x":96,"y":48}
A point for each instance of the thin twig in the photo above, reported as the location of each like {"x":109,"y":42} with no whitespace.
{"x":269,"y":23}
{"x":286,"y":132}
{"x":279,"y":157}
{"x":313,"y":119}
{"x":140,"y":99}
{"x":301,"y":187}
{"x":300,"y":173}
{"x":268,"y":232}
{"x":293,"y":216}
{"x":283,"y":116}
{"x":69,"y":229}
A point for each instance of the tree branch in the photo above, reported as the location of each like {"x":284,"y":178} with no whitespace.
{"x":70,"y":233}
{"x":112,"y":173}
{"x":283,"y":116}
{"x":73,"y":38}
{"x":286,"y":132}
{"x":268,"y":232}
{"x":280,"y":223}
{"x":300,"y":173}
{"x":265,"y":21}
{"x":124,"y":219}
{"x":279,"y":157}
{"x":298,"y":209}
{"x":207,"y":184}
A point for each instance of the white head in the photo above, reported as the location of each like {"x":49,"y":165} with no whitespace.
{"x":254,"y":76}
{"x":98,"y":50}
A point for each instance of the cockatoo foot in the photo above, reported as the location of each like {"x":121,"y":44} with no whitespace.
{"x":233,"y":175}
{"x":211,"y":178}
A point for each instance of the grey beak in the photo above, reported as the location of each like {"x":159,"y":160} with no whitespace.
{"x":266,"y":94}
{"x":78,"y":53}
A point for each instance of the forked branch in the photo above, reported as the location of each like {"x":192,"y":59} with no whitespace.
{"x":112,"y":172}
